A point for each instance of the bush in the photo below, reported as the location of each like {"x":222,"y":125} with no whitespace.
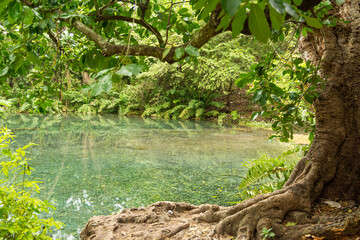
{"x":19,"y":211}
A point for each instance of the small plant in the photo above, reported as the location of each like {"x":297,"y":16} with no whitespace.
{"x":267,"y":234}
{"x":20,"y":213}
{"x":267,"y":174}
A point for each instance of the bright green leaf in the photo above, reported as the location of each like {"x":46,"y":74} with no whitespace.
{"x":28,"y":16}
{"x":209,"y":8}
{"x":200,"y":4}
{"x":257,"y":95}
{"x":313,"y":22}
{"x":304,"y":32}
{"x":241,"y":82}
{"x":33,"y":58}
{"x":297,"y":2}
{"x":192,"y":51}
{"x":230,"y":6}
{"x":179,"y":52}
{"x":96,"y":89}
{"x":4,"y":4}
{"x":258,"y":24}
{"x":277,"y":19}
{"x":106,"y":82}
{"x":224,"y":23}
{"x":166,"y":52}
{"x":129,"y":70}
{"x":238,"y":22}
{"x":15,"y":10}
{"x":4,"y":71}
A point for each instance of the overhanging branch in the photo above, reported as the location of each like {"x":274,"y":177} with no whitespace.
{"x":134,"y":20}
{"x":208,"y":31}
{"x":109,"y":49}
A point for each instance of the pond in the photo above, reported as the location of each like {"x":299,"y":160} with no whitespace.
{"x":99,"y":165}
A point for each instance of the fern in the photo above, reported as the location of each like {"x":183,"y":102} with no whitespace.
{"x":131,"y":108}
{"x":104,"y":103}
{"x":187,"y":113}
{"x":74,"y":97}
{"x":160,"y":108}
{"x":268,"y":167}
{"x":175,"y":112}
{"x":195,"y":104}
{"x":199,"y":113}
{"x":149,"y":111}
{"x":213,"y":113}
{"x":166,"y":115}
{"x":216,"y":104}
{"x":26,"y":106}
{"x":86,"y":109}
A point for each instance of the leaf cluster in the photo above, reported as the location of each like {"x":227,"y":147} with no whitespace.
{"x":19,"y":211}
{"x":267,"y":174}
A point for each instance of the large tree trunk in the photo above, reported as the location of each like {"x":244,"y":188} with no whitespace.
{"x":331,"y":168}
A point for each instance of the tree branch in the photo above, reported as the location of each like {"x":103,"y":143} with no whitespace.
{"x":199,"y":39}
{"x":109,"y":49}
{"x":133,"y":20}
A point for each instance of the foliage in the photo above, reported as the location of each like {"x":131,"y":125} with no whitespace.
{"x":20,"y":212}
{"x":4,"y":104}
{"x":46,"y":47}
{"x":267,"y":234}
{"x":289,"y":105}
{"x":267,"y":174}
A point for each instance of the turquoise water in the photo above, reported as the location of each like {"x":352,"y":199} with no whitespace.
{"x":102,"y":164}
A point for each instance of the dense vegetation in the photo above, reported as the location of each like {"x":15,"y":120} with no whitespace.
{"x":89,"y":57}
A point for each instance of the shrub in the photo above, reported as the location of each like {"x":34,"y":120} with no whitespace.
{"x":20,"y":213}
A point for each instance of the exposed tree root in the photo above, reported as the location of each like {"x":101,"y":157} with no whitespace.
{"x":169,"y":220}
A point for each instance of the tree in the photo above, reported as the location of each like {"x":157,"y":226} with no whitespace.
{"x":330,"y":168}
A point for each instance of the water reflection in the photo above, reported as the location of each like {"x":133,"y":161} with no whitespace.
{"x":97,"y":165}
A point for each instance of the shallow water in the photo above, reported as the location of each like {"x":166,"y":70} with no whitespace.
{"x":99,"y":165}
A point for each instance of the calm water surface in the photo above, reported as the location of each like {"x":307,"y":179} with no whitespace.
{"x":102,"y":164}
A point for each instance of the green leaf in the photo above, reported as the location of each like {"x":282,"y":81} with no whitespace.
{"x":290,"y":9}
{"x":179,"y":52}
{"x":313,"y":22}
{"x":129,"y":70}
{"x":4,"y":4}
{"x":297,"y":2}
{"x":238,"y":23}
{"x":257,"y":95}
{"x":278,"y":5}
{"x":241,"y":82}
{"x":15,"y":10}
{"x":304,"y":32}
{"x":192,"y":51}
{"x":230,"y":6}
{"x":338,"y":2}
{"x":4,"y":71}
{"x":258,"y":24}
{"x":166,"y":52}
{"x":33,"y":58}
{"x":96,"y":89}
{"x":106,"y":82}
{"x":200,"y":4}
{"x":277,"y":19}
{"x":28,"y":16}
{"x":209,"y":8}
{"x":224,"y":23}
